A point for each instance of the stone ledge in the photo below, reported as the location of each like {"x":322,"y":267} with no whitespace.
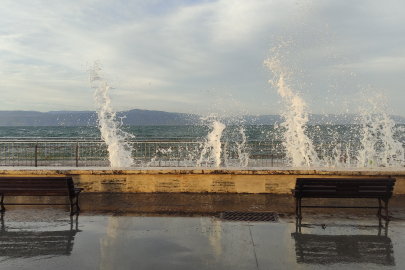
{"x":198,"y":180}
{"x":199,"y":170}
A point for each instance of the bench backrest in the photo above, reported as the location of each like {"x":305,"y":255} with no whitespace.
{"x":31,"y":186}
{"x":345,"y":187}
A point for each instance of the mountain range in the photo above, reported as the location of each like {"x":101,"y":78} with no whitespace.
{"x":148,"y":118}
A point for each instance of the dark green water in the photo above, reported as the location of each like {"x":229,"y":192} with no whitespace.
{"x":317,"y":133}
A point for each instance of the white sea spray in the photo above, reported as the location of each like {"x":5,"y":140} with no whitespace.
{"x":119,"y":149}
{"x":299,"y":148}
{"x":211,"y":147}
{"x":242,"y":148}
{"x":378,"y":145}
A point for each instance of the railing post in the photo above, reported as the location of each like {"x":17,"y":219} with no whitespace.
{"x":160,"y":154}
{"x":12,"y":153}
{"x":36,"y":154}
{"x":178,"y":155}
{"x":77,"y":154}
{"x":145,"y":153}
{"x":225,"y":154}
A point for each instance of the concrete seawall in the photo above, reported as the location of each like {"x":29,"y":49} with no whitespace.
{"x":200,"y":180}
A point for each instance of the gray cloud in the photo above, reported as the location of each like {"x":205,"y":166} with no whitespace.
{"x":168,"y":55}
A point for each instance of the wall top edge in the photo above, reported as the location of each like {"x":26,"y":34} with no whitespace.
{"x":199,"y":170}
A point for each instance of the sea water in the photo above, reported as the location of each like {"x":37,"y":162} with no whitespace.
{"x":318,"y":133}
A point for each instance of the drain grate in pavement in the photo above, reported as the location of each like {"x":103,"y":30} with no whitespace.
{"x":249,"y":216}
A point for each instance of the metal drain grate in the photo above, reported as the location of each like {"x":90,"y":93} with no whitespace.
{"x":249,"y":216}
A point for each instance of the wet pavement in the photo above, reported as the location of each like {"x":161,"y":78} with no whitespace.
{"x":183,"y":231}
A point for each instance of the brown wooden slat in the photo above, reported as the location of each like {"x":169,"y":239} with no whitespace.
{"x":341,"y":189}
{"x":33,"y":190}
{"x":348,"y":184}
{"x":34,"y":187}
{"x":35,"y":193}
{"x":345,"y":196}
{"x":342,"y":195}
{"x":354,"y":193}
{"x":37,"y":186}
{"x":34,"y":177}
{"x":34,"y":181}
{"x":33,"y":184}
{"x":345,"y":179}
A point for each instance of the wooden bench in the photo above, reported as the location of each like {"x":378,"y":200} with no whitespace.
{"x":40,"y":186}
{"x":371,"y":188}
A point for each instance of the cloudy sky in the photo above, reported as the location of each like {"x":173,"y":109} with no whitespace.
{"x":201,"y":56}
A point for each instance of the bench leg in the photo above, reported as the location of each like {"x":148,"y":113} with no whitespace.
{"x":298,"y":225}
{"x":2,"y":205}
{"x":77,"y":203}
{"x":379,"y":214}
{"x":386,"y":211}
{"x":298,"y":208}
{"x":379,"y":208}
{"x":72,"y":204}
{"x":299,"y":205}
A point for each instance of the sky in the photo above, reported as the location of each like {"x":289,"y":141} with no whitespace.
{"x":201,"y":56}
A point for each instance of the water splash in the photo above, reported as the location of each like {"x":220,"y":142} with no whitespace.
{"x":118,"y":149}
{"x":300,"y":150}
{"x":378,"y":145}
{"x":243,"y":153}
{"x":211,"y":151}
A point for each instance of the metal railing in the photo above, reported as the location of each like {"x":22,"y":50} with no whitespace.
{"x":84,"y":153}
{"x":79,"y":153}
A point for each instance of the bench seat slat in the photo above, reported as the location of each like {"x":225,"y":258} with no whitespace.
{"x":380,"y":188}
{"x":33,"y":183}
{"x":35,"y":193}
{"x":375,"y":185}
{"x":345,"y":184}
{"x":352,"y":193}
{"x":334,"y":195}
{"x":36,"y":186}
{"x":47,"y":178}
{"x":345,"y":179}
{"x":6,"y":190}
{"x":33,"y":186}
{"x":345,"y":197}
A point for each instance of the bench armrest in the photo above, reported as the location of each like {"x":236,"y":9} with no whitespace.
{"x":78,"y":190}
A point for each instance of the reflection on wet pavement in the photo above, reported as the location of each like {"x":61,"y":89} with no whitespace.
{"x":165,"y":234}
{"x":26,"y":243}
{"x":319,"y":249}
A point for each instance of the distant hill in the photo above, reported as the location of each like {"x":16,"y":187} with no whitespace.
{"x":89,"y":118}
{"x":148,"y":118}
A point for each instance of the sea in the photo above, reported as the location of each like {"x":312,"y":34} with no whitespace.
{"x":317,"y":133}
